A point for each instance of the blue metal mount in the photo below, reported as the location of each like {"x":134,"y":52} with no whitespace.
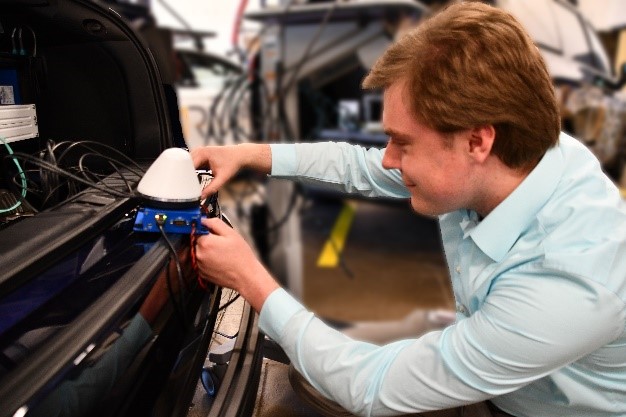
{"x":183,"y":221}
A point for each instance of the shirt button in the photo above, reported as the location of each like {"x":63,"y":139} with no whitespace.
{"x":458,"y":269}
{"x":461,"y":309}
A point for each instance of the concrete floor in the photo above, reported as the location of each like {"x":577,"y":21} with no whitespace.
{"x":391,"y":264}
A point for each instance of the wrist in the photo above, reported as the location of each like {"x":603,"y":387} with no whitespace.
{"x":257,"y":288}
{"x":256,"y":156}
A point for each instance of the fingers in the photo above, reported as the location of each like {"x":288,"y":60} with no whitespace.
{"x":220,"y":160}
{"x":199,"y":158}
{"x":216,"y":226}
{"x":215,"y":184}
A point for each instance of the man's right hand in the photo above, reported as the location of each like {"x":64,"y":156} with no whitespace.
{"x":226,"y":259}
{"x":226,"y":161}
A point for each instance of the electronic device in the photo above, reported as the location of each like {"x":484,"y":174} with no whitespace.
{"x":188,"y":221}
{"x":17,"y":121}
{"x":372,"y":113}
{"x":171,"y":189}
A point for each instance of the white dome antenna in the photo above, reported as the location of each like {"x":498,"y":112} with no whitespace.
{"x":171,"y":181}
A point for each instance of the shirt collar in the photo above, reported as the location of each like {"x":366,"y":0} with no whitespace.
{"x":496,"y":233}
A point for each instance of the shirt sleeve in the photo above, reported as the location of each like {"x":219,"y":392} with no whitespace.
{"x":338,"y":167}
{"x":402,"y":377}
{"x":519,"y":335}
{"x":534,"y":322}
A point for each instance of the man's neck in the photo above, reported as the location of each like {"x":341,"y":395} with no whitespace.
{"x":495,"y":183}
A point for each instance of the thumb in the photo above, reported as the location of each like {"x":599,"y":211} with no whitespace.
{"x":216,"y":226}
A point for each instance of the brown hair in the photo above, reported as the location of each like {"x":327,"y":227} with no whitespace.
{"x":470,"y":65}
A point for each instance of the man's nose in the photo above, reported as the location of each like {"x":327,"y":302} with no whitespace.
{"x":390,"y":158}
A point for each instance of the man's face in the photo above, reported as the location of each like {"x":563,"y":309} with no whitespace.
{"x":435,"y":168}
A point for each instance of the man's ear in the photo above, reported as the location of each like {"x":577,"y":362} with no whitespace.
{"x":481,"y":140}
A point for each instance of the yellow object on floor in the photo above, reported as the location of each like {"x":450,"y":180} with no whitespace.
{"x":329,"y":258}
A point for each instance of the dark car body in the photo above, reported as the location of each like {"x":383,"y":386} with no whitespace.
{"x":96,"y":318}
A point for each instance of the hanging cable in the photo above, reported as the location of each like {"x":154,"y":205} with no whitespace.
{"x":178,"y":305}
{"x":63,"y":172}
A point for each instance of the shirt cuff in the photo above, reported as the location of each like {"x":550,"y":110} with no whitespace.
{"x":277,"y":310}
{"x":284,"y":159}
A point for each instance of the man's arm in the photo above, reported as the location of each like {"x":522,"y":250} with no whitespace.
{"x":338,"y":166}
{"x":348,"y":371}
{"x":226,"y":161}
{"x":335,"y":166}
{"x":516,"y":338}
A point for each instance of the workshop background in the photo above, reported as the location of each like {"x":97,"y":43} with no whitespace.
{"x":107,"y":85}
{"x":353,"y":259}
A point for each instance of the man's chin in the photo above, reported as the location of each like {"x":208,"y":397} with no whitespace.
{"x":423,"y":209}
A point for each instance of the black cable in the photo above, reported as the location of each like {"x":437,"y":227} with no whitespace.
{"x":309,"y":47}
{"x":112,"y":162}
{"x":233,"y":109}
{"x":85,"y":170}
{"x":179,"y":306}
{"x":49,"y":180}
{"x":234,"y":125}
{"x":219,"y":315}
{"x":213,"y":109}
{"x":210,"y":130}
{"x":53,"y":178}
{"x":24,"y":203}
{"x":63,"y":172}
{"x":87,"y":143}
{"x":266,"y":118}
{"x":229,"y":303}
{"x":291,"y":205}
{"x":123,"y":177}
{"x":18,"y":183}
{"x":227,"y":101}
{"x":222,"y":118}
{"x":52,"y":192}
{"x":227,"y":336}
{"x":282,"y":89}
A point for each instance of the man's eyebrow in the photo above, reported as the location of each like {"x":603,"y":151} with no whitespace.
{"x":397,"y":136}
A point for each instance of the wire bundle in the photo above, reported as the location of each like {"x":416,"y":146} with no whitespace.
{"x":63,"y":169}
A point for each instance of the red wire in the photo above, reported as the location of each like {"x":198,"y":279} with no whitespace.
{"x":237,"y":25}
{"x":194,"y":262}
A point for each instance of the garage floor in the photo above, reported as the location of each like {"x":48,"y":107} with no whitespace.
{"x":391,"y":263}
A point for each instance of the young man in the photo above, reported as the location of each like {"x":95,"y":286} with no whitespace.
{"x":534,"y":235}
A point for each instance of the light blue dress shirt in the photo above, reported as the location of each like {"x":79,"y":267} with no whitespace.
{"x":540,"y":287}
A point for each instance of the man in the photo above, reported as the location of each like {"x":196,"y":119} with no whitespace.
{"x":534,"y":235}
